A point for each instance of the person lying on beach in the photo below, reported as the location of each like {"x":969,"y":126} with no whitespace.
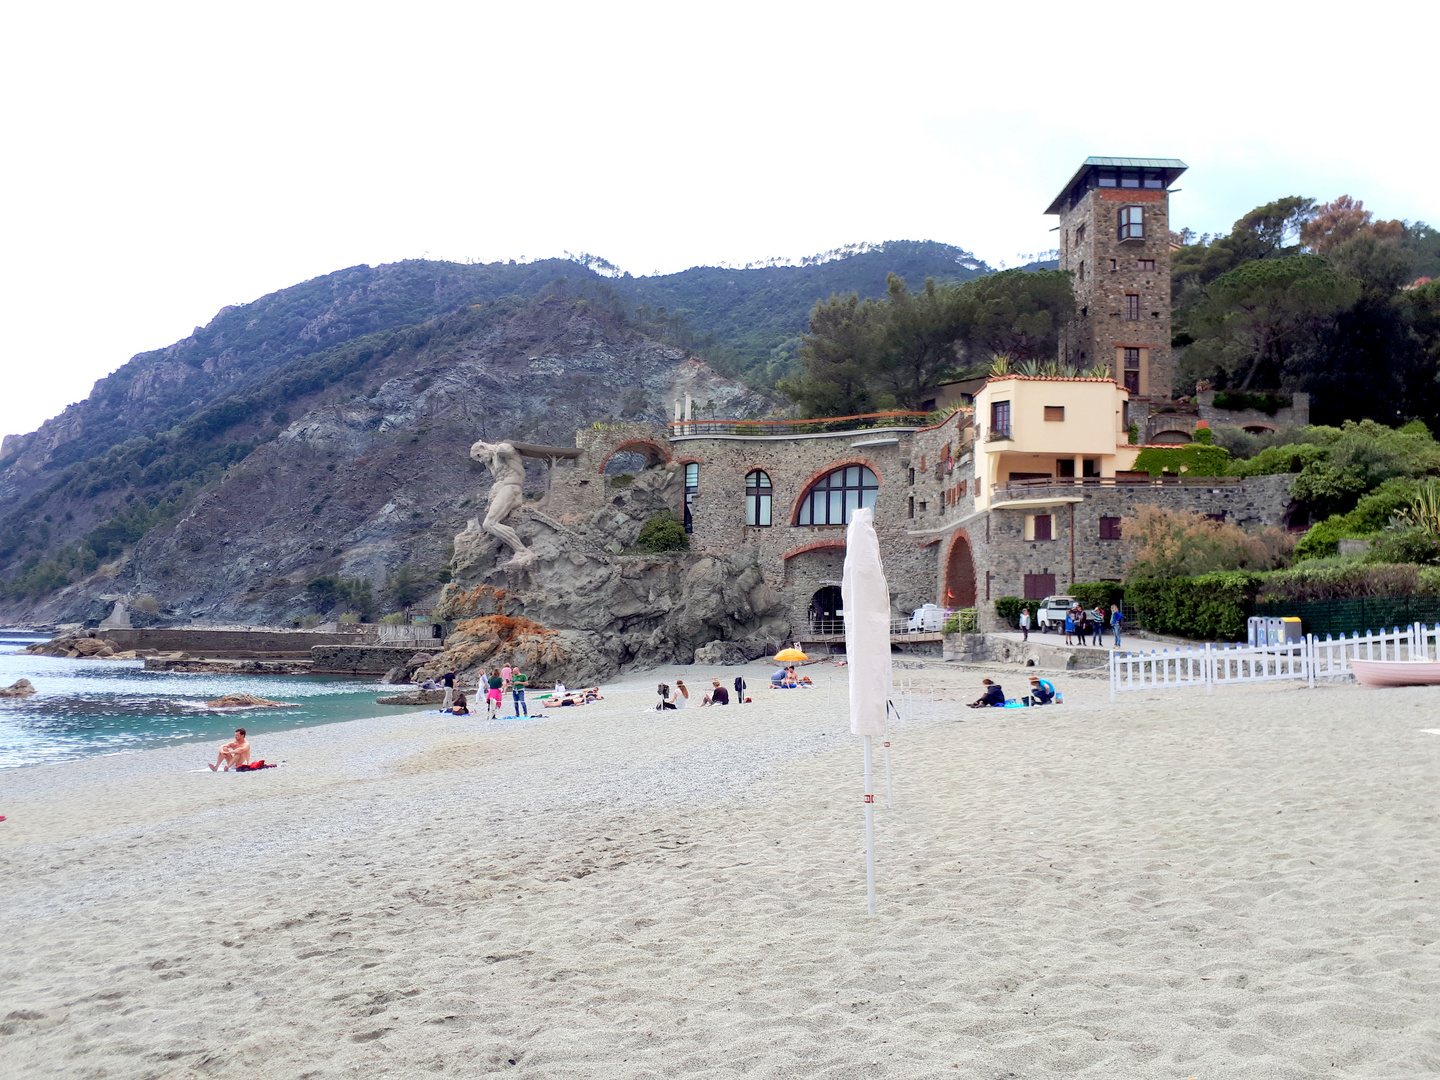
{"x":429,"y":684}
{"x":593,"y":694}
{"x":717,"y":696}
{"x":993,"y":696}
{"x":235,"y":752}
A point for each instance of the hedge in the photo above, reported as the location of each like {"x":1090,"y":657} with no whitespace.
{"x":1193,"y":459}
{"x":1008,"y":608}
{"x":1211,"y":606}
{"x":1101,"y":593}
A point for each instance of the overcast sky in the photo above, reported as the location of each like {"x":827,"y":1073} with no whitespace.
{"x":162,"y":161}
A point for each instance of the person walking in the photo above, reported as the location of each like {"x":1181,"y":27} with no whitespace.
{"x":492,"y":695}
{"x":1115,"y":619}
{"x":1024,"y":624}
{"x":518,"y":681}
{"x":448,"y":681}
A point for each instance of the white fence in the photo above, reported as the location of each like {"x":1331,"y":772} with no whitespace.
{"x":1307,"y":660}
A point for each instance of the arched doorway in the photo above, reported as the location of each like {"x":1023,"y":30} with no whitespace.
{"x":959,"y":573}
{"x":827,"y":611}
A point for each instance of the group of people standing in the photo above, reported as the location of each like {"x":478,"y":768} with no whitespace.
{"x":493,"y":685}
{"x":1086,"y":624}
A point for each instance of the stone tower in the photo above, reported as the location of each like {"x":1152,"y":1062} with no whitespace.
{"x":1115,"y":240}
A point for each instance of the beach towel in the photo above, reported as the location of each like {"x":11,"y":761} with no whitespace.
{"x":254,"y":766}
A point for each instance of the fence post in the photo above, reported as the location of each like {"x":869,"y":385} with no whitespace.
{"x":1310,"y":659}
{"x":1112,"y":676}
{"x":1209,"y":671}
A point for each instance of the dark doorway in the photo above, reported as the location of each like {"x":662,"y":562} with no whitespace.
{"x":1039,"y":586}
{"x":827,"y":609}
{"x":960,"y":574}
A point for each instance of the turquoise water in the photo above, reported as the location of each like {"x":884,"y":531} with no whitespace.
{"x":111,"y":706}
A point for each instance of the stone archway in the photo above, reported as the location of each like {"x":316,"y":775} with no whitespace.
{"x":652,"y":452}
{"x":960,"y":591}
{"x":827,"y":611}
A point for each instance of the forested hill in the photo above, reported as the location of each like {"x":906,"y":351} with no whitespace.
{"x":749,"y":321}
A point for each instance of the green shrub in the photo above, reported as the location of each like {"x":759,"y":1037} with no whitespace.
{"x":1193,"y":459}
{"x":1291,"y":458}
{"x":1091,"y":593}
{"x":1236,"y":401}
{"x":1211,"y":606}
{"x":1371,"y":514}
{"x":1338,"y":581}
{"x":663,"y":533}
{"x":1008,"y":609}
{"x":624,"y":480}
{"x":1405,"y":545}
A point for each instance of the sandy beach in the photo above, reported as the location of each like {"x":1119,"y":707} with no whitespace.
{"x":1171,"y":886}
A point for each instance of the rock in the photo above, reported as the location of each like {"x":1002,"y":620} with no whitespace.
{"x":91,"y":646}
{"x":414,"y":697}
{"x":19,"y":688}
{"x":248,"y":701}
{"x":725,"y":653}
{"x":396,"y":675}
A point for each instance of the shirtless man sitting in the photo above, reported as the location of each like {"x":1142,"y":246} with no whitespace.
{"x":233,"y":753}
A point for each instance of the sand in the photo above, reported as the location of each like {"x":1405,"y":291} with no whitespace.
{"x":1243,"y":885}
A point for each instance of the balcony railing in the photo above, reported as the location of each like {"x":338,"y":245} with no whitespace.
{"x":1021,"y":488}
{"x":822,"y":426}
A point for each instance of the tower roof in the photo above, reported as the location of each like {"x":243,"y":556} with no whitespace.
{"x":1168,"y":168}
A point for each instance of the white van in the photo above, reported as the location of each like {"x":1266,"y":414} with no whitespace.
{"x":926,"y":620}
{"x":1051,"y":613}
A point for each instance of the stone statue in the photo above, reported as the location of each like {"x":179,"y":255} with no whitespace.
{"x":506,"y":494}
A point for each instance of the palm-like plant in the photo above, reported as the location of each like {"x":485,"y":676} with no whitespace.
{"x":1000,"y":366}
{"x":1423,"y":510}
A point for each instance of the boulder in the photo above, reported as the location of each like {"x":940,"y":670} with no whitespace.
{"x":248,"y":701}
{"x":413,"y":697}
{"x":724,"y":653}
{"x":19,"y":688}
{"x":396,"y":675}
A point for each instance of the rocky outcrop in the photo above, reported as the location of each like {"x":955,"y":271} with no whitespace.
{"x":73,"y":646}
{"x":248,"y":701}
{"x":19,"y":688}
{"x":413,"y":697}
{"x":581,"y":612}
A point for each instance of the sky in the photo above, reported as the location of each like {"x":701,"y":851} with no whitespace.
{"x":165,"y":160}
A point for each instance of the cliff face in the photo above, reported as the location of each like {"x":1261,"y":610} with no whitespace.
{"x":372,"y":474}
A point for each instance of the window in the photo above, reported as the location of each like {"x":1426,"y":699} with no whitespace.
{"x":912,"y":477}
{"x":833,"y":497}
{"x":692,"y":486}
{"x":1132,"y":223}
{"x":1080,"y":236}
{"x":1082,"y":270}
{"x":1132,"y":370}
{"x":1113,"y":267}
{"x":1038,"y":527}
{"x":1144,"y":264}
{"x":1054,"y":412}
{"x":1090,"y":466}
{"x":1109,"y":528}
{"x":1129,"y":178}
{"x":912,"y":506}
{"x":1154,"y":180}
{"x":758,"y":496}
{"x":1000,"y":420}
{"x":1065,"y":468}
{"x":1107,"y":178}
{"x":1132,"y":306}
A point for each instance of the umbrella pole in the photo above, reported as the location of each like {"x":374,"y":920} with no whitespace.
{"x":869,"y":833}
{"x":889,"y":797}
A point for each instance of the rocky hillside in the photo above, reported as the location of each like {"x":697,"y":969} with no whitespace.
{"x":364,"y":476}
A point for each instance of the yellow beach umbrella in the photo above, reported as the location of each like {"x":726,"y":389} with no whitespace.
{"x":788,"y":655}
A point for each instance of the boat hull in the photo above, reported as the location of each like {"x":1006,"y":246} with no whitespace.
{"x":1396,"y":672}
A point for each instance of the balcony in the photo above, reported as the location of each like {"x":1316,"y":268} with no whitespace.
{"x":830,"y":425}
{"x":1072,"y":489}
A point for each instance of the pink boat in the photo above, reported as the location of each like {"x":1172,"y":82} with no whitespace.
{"x":1396,"y":672}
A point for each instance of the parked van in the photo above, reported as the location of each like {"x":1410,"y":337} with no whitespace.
{"x":1051,"y":614}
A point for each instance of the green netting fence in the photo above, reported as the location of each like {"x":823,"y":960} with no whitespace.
{"x":1357,"y":615}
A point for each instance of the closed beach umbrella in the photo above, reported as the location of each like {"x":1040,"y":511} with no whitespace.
{"x":790,"y":655}
{"x":867,"y":653}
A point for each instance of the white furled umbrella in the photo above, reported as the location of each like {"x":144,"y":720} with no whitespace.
{"x":866,"y":597}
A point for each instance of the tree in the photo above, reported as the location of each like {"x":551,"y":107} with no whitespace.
{"x":1271,"y":231}
{"x":1345,"y":218}
{"x":839,"y":354}
{"x":1260,"y":316}
{"x":1015,"y":313}
{"x":404,"y":587}
{"x":921,"y":332}
{"x":1173,"y":544}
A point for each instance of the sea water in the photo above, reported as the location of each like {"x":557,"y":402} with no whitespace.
{"x":111,"y":706}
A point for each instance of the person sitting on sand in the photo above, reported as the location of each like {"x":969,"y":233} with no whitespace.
{"x":1042,"y":691}
{"x":993,"y":695}
{"x":682,"y":694}
{"x":233,"y":753}
{"x":777,"y":678}
{"x":460,"y":707}
{"x":718,"y":695}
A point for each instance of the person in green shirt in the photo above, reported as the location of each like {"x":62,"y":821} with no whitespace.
{"x":492,"y":697}
{"x":518,"y":681}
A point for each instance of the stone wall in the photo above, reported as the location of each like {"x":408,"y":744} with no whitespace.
{"x":222,"y":643}
{"x":360,"y":659}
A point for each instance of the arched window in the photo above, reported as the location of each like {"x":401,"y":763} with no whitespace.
{"x":757,"y":498}
{"x":831,"y":499}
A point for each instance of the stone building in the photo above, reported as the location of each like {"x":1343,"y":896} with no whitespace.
{"x":1115,"y":241}
{"x":1021,"y":491}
